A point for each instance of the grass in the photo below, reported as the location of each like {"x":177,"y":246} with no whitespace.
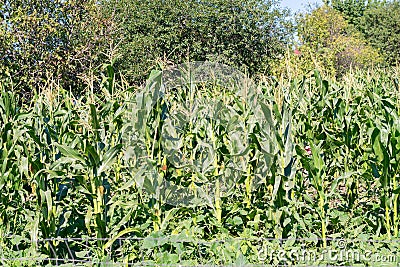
{"x":202,"y":175}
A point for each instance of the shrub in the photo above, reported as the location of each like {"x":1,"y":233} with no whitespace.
{"x":329,"y":44}
{"x":246,"y":34}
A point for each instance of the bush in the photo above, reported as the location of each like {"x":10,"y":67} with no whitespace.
{"x":44,"y":39}
{"x":247,"y":34}
{"x":329,"y":44}
{"x":380,"y":25}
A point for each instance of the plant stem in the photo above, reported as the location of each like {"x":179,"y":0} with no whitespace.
{"x":218,"y":209}
{"x":323,"y":223}
{"x":248,"y":183}
{"x":395,"y":214}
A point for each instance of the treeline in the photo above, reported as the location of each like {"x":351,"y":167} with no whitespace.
{"x":344,"y":34}
{"x":71,"y":40}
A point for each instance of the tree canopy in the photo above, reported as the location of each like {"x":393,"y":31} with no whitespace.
{"x":327,"y":42}
{"x":243,"y":33}
{"x":69,"y":40}
{"x":48,"y":38}
{"x":379,"y":23}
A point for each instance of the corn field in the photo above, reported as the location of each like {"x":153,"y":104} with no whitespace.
{"x":201,"y":171}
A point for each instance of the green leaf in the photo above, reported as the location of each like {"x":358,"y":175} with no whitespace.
{"x":123,"y":232}
{"x":49,"y":202}
{"x":109,"y":157}
{"x":70,"y":152}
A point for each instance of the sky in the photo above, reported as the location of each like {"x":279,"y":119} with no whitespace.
{"x":297,"y":5}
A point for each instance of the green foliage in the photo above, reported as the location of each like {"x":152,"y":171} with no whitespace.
{"x":246,"y":34}
{"x":45,"y":39}
{"x":352,"y":10}
{"x":99,"y":166}
{"x":328,"y":44}
{"x":378,"y":21}
{"x":202,"y":173}
{"x":380,"y":25}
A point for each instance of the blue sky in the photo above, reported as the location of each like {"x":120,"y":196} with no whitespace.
{"x":297,"y":5}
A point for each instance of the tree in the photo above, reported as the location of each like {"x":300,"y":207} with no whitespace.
{"x":351,"y":10}
{"x":328,"y":43}
{"x":378,"y":21}
{"x":380,"y":25}
{"x":242,"y":33}
{"x":43,"y":39}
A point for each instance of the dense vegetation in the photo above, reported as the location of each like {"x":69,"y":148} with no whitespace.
{"x":101,"y":166}
{"x":378,"y":21}
{"x":201,"y":164}
{"x":70,"y":40}
{"x":246,"y":34}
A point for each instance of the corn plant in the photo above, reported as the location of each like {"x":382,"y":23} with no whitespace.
{"x":196,"y":171}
